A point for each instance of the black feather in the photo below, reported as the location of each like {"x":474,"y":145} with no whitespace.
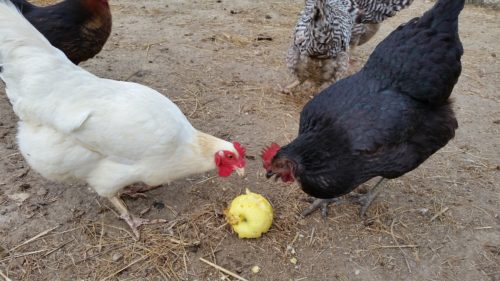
{"x":388,"y":118}
{"x":65,"y":25}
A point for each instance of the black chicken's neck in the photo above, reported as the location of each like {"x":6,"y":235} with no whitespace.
{"x":325,"y":167}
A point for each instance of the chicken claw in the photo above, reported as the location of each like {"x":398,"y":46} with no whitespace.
{"x":365,"y":200}
{"x":321,"y":204}
{"x":288,"y":89}
{"x":133,"y":221}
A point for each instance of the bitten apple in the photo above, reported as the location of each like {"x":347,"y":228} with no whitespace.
{"x":250,"y":215}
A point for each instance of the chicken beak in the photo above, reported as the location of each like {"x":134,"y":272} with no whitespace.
{"x":240,"y":171}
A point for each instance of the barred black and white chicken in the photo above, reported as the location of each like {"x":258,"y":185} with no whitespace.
{"x":370,"y":14}
{"x":325,"y":31}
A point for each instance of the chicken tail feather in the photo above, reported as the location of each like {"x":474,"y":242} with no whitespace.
{"x":421,"y":58}
{"x":444,"y":14}
{"x":378,"y":11}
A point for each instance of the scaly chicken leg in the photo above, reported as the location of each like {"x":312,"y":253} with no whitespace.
{"x":365,"y":200}
{"x":133,"y":221}
{"x":288,"y":89}
{"x":321,"y":204}
{"x":136,"y":191}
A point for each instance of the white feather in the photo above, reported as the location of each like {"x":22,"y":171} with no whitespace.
{"x":76,"y":125}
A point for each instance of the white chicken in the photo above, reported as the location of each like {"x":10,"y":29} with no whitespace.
{"x":107,"y":133}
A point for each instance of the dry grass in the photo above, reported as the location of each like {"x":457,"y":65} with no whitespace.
{"x":102,"y":252}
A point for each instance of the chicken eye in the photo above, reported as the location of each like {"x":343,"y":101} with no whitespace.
{"x":230,"y":156}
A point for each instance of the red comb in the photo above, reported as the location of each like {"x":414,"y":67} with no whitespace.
{"x":241,"y":150}
{"x":268,"y":154}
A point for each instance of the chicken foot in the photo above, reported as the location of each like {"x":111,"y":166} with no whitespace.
{"x":133,"y":221}
{"x":365,"y":200}
{"x":138,"y":191}
{"x":321,"y":204}
{"x":288,"y":89}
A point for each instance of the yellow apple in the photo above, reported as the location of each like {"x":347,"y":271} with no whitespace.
{"x":250,"y":215}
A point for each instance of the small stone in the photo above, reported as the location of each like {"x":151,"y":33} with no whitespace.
{"x":19,"y":197}
{"x":293,"y":260}
{"x":41,"y":191}
{"x":423,"y":211}
{"x":356,"y":272}
{"x":255,"y":269}
{"x":117,"y":256}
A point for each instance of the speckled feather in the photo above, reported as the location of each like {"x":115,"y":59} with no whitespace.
{"x":370,"y":14}
{"x":325,"y":31}
{"x":321,"y":40}
{"x":376,"y":11}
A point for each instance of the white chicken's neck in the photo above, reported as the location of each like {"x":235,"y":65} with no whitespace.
{"x":195,"y":156}
{"x":209,"y":145}
{"x":198,"y":155}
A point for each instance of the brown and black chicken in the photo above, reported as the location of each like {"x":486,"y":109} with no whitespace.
{"x":383,"y":121}
{"x":79,"y":28}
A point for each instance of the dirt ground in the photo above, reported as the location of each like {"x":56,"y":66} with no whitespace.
{"x":439,"y":222}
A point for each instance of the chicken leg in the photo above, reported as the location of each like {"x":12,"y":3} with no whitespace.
{"x":321,"y":204}
{"x":136,"y":191}
{"x":288,"y":89}
{"x":133,"y":221}
{"x":365,"y":200}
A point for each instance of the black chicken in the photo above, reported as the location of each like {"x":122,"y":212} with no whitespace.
{"x":384,"y":120}
{"x":79,"y":28}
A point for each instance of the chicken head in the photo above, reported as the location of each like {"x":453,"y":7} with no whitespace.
{"x":228,"y":161}
{"x":281,"y":167}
